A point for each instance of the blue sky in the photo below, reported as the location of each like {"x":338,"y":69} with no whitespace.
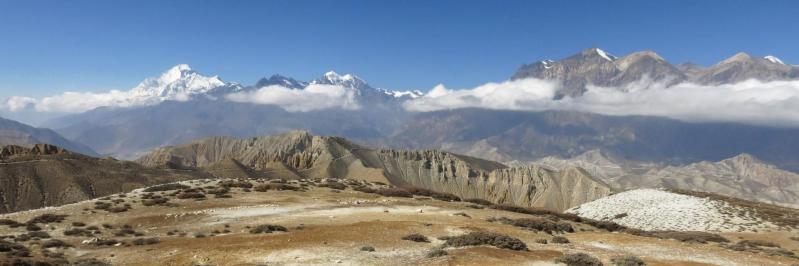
{"x":47,"y":47}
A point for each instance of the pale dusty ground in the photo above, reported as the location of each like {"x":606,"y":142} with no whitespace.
{"x":328,"y":228}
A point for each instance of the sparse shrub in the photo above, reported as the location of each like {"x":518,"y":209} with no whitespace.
{"x":433,"y":194}
{"x":475,"y":206}
{"x":541,"y":241}
{"x":105,"y":242}
{"x":91,"y":262}
{"x":78,"y":232}
{"x":758,"y":243}
{"x":32,"y":227}
{"x":166,"y":187}
{"x":688,"y":236}
{"x":78,"y":224}
{"x":539,"y":224}
{"x":267,"y":228}
{"x":55,"y":243}
{"x":10,"y":223}
{"x":191,"y":195}
{"x":395,"y":192}
{"x":479,"y":201}
{"x":368,"y":249}
{"x":438,"y":252}
{"x":364,"y":189}
{"x":560,"y":240}
{"x":235,"y":183}
{"x":146,"y":241}
{"x":47,"y":218}
{"x":462,"y":214}
{"x":620,"y":215}
{"x":118,"y":209}
{"x":37,"y":234}
{"x":486,"y":238}
{"x":333,"y":185}
{"x":101,"y":205}
{"x":627,"y":261}
{"x":416,"y":238}
{"x":158,"y":200}
{"x":199,"y":235}
{"x":578,"y":259}
{"x":275,"y":186}
{"x":126,"y":231}
{"x":14,"y":249}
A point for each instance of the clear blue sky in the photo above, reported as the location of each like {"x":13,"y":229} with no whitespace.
{"x":51,"y":46}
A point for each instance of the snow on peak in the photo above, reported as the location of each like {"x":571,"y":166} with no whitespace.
{"x":176,"y":83}
{"x":547,"y":63}
{"x":773,"y":59}
{"x":413,"y":94}
{"x":605,"y":55}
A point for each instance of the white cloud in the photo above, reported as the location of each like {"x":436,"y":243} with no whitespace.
{"x":752,"y":102}
{"x":313,"y":97}
{"x":17,"y":103}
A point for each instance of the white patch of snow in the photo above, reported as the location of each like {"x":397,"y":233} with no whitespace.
{"x":605,"y":55}
{"x":652,"y":209}
{"x":774,"y":59}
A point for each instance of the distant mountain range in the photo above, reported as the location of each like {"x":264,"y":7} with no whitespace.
{"x":597,"y":67}
{"x":182,"y":105}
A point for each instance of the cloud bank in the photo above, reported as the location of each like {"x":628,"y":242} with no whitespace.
{"x":311,"y":98}
{"x":752,"y":102}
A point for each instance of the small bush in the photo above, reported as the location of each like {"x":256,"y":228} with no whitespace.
{"x":560,"y":240}
{"x":333,"y":185}
{"x":78,"y":224}
{"x":758,"y":243}
{"x":78,"y":232}
{"x":275,"y":186}
{"x":32,"y":227}
{"x":235,"y":183}
{"x":166,"y":187}
{"x":146,"y":241}
{"x":55,"y":243}
{"x":47,"y":218}
{"x":117,"y":209}
{"x":485,"y":238}
{"x":578,"y":259}
{"x":395,"y":192}
{"x":795,"y":238}
{"x":433,"y":194}
{"x":105,"y":242}
{"x":91,"y":262}
{"x":438,"y":252}
{"x":191,"y":195}
{"x":364,"y":189}
{"x":10,"y":223}
{"x":479,"y":201}
{"x":541,"y":241}
{"x":267,"y":228}
{"x":416,"y":238}
{"x":36,"y":234}
{"x":368,"y":249}
{"x":627,"y":261}
{"x":539,"y":224}
{"x":688,"y":236}
{"x":154,"y":201}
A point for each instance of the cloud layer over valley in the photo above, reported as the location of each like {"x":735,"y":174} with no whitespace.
{"x":751,"y":102}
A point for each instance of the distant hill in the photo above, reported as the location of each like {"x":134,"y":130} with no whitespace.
{"x":16,"y":133}
{"x":302,"y":155}
{"x":47,"y":175}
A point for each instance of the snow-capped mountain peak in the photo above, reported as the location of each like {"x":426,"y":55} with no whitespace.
{"x":178,"y":82}
{"x":773,"y":59}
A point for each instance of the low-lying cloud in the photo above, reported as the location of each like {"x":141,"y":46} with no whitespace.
{"x":752,"y":102}
{"x":311,"y":98}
